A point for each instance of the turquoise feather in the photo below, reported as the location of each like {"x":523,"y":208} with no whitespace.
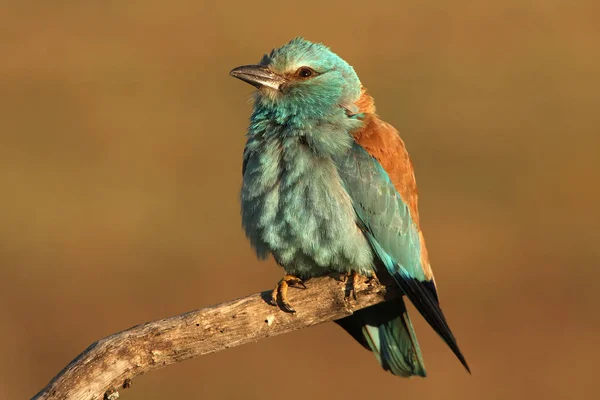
{"x":318,"y":202}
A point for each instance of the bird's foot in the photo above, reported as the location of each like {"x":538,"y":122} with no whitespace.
{"x":351,"y":280}
{"x":372,"y":280}
{"x":280,"y":292}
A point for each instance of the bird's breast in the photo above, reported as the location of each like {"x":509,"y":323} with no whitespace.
{"x":295,"y":207}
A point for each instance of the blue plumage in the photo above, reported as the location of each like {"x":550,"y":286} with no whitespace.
{"x":318,"y":202}
{"x":386,"y":222}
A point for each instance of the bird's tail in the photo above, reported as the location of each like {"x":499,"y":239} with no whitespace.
{"x":385,"y":329}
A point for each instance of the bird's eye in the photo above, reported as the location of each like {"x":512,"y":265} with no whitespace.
{"x":305,"y":72}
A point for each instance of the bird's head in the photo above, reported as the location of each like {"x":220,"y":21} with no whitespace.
{"x":302,"y":81}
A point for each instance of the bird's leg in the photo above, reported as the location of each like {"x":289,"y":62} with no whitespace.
{"x":280,"y":291}
{"x":351,"y":280}
{"x":354,"y":276}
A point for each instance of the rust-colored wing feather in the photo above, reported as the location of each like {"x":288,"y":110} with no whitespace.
{"x":382,"y":141}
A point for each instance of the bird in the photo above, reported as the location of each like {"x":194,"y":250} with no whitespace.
{"x":328,"y":187}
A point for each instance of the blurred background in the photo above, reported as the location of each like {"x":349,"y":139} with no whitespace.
{"x":121,"y":138}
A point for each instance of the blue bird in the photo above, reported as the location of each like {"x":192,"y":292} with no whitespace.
{"x":329,"y":187}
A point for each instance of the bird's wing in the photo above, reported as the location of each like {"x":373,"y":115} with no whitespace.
{"x":387,"y":223}
{"x":382,"y":141}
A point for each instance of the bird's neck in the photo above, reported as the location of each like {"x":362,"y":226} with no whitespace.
{"x":328,"y":135}
{"x":291,"y":115}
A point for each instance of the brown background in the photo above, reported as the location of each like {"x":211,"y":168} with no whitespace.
{"x":120,"y":154}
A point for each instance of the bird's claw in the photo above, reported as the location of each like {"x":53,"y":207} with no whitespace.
{"x":372,"y":280}
{"x":280,"y":292}
{"x":351,"y":280}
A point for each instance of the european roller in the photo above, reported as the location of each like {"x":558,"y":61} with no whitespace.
{"x":329,"y":187}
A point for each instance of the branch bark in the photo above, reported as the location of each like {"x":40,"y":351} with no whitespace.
{"x":110,"y":363}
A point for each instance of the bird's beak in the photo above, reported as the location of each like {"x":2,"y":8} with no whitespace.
{"x":258,"y":76}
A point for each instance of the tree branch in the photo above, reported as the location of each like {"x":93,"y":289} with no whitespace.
{"x":110,"y":363}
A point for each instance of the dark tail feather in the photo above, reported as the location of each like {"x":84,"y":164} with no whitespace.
{"x":385,"y":329}
{"x":423,"y":295}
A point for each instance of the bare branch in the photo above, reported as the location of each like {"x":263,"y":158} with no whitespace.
{"x":109,"y":364}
